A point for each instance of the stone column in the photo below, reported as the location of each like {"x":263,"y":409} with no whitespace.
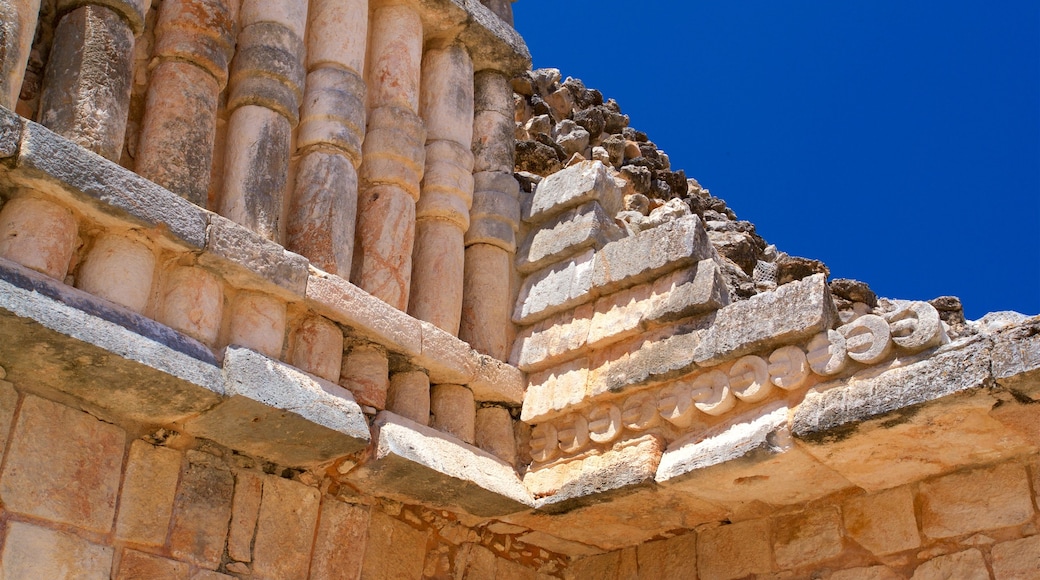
{"x":493,"y":432}
{"x":17,"y":28}
{"x":409,"y":396}
{"x":266,"y":83}
{"x":495,"y":218}
{"x":119,"y":268}
{"x":86,"y":87}
{"x":442,"y":214}
{"x":193,"y":303}
{"x":39,"y":235}
{"x":194,"y":41}
{"x":323,"y":210}
{"x":454,"y":411}
{"x":258,"y":322}
{"x":393,"y":156}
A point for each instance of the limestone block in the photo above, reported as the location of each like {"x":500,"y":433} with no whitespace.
{"x":409,"y":396}
{"x":1016,"y":358}
{"x":417,"y":463}
{"x":650,"y":253}
{"x":438,"y":264}
{"x":36,"y":484}
{"x":966,"y":565}
{"x":884,"y":522}
{"x":323,"y":211}
{"x":688,"y":292}
{"x":487,"y":300}
{"x":245,"y":509}
{"x":868,"y":339}
{"x":869,"y":412}
{"x":285,"y":529}
{"x":976,"y":500}
{"x":586,"y":226}
{"x":618,"y":316}
{"x":1017,"y":559}
{"x":200,"y":516}
{"x":394,"y":549}
{"x":338,"y":34}
{"x":242,"y":256}
{"x":120,"y":269}
{"x":339,"y":546}
{"x":747,"y":462}
{"x":494,"y":433}
{"x":498,"y":382}
{"x":366,"y":374}
{"x":86,"y":86}
{"x":653,"y":356}
{"x":288,"y":13}
{"x":38,"y":234}
{"x":671,"y":558}
{"x":735,"y":550}
{"x":447,"y":358}
{"x":49,"y":162}
{"x":446,"y":99}
{"x":553,"y":340}
{"x":871,"y":573}
{"x":580,"y":183}
{"x":193,"y":303}
{"x":8,"y":402}
{"x":827,"y":353}
{"x":386,"y":233}
{"x":453,"y":411}
{"x":807,"y":538}
{"x":792,"y":312}
{"x":258,"y":323}
{"x":281,"y":414}
{"x":136,"y":564}
{"x":149,"y":488}
{"x":598,"y":566}
{"x":394,"y":57}
{"x":318,"y":348}
{"x":554,"y":390}
{"x":493,"y":43}
{"x":16,"y":37}
{"x":493,"y":138}
{"x":11,"y":124}
{"x":555,"y":289}
{"x":34,"y":552}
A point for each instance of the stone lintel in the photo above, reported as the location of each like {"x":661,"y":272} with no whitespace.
{"x":56,"y":337}
{"x":415,"y":463}
{"x":498,"y":382}
{"x":282,"y":414}
{"x":250,"y":261}
{"x":492,"y":43}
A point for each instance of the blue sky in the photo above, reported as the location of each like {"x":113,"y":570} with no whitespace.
{"x":899,"y":142}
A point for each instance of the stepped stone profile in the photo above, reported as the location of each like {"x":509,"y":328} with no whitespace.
{"x":343,"y":289}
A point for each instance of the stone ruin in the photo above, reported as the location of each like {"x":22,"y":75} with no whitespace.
{"x":343,"y":289}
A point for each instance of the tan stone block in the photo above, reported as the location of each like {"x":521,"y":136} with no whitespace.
{"x":619,"y":316}
{"x":446,"y":101}
{"x":966,"y":565}
{"x":285,"y":529}
{"x":372,"y":319}
{"x":498,"y":382}
{"x":149,"y":488}
{"x":871,"y":573}
{"x":554,"y":339}
{"x":603,"y":566}
{"x":50,"y":442}
{"x":553,"y":390}
{"x":394,"y":549}
{"x":39,"y":235}
{"x":884,"y":522}
{"x":807,"y":538}
{"x":258,"y":323}
{"x":120,"y":269}
{"x":734,"y":551}
{"x":1017,"y":559}
{"x":8,"y":402}
{"x":980,"y":499}
{"x":139,"y":565}
{"x":339,"y":546}
{"x":193,"y":303}
{"x":447,"y":358}
{"x":476,"y":562}
{"x":201,"y":514}
{"x":245,"y":508}
{"x":508,"y":570}
{"x":318,"y":348}
{"x":453,"y":410}
{"x":33,"y":552}
{"x":366,"y":373}
{"x":210,"y":575}
{"x":671,"y":558}
{"x":494,"y":433}
{"x":409,"y":396}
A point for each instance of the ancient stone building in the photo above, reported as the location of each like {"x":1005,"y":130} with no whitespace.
{"x":342,"y":289}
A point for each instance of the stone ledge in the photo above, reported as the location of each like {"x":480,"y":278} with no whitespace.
{"x":243,"y":256}
{"x":416,"y":463}
{"x":282,"y":414}
{"x":1016,"y":358}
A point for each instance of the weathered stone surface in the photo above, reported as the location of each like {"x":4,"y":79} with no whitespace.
{"x":586,"y":181}
{"x":807,"y":538}
{"x":285,"y":529}
{"x":671,"y":558}
{"x":417,"y":463}
{"x":487,"y":300}
{"x":966,"y":565}
{"x":970,"y":501}
{"x":339,"y":547}
{"x":201,"y":513}
{"x":792,"y":312}
{"x":655,"y":356}
{"x":553,"y":340}
{"x":1017,"y":559}
{"x":192,"y":302}
{"x":323,"y":211}
{"x":734,"y":551}
{"x":618,"y":316}
{"x":583,"y":227}
{"x":448,"y":359}
{"x":555,"y":289}
{"x":871,"y":573}
{"x":884,"y":522}
{"x":453,"y":410}
{"x":649,"y":254}
{"x":498,"y":382}
{"x":16,"y":37}
{"x":34,"y":552}
{"x":11,"y":124}
{"x":366,"y":374}
{"x":494,"y":433}
{"x":139,"y":368}
{"x":51,"y":163}
{"x":38,"y":234}
{"x":245,"y":509}
{"x":409,"y":396}
{"x":8,"y":402}
{"x":599,"y":566}
{"x":134,"y":565}
{"x":318,"y":348}
{"x":910,"y":419}
{"x":51,"y":441}
{"x":394,"y":549}
{"x":1016,"y":358}
{"x":747,"y":462}
{"x":559,"y":545}
{"x":552,"y":391}
{"x":119,"y":269}
{"x":282,"y":414}
{"x":258,"y":322}
{"x":243,"y":256}
{"x":149,"y":488}
{"x":688,"y":292}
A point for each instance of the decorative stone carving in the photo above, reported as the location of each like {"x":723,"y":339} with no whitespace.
{"x":604,"y":423}
{"x":827,"y":353}
{"x":917,"y":327}
{"x":749,"y":379}
{"x":867,"y":339}
{"x":788,"y":368}
{"x":711,"y":393}
{"x":573,"y":433}
{"x":544,"y":442}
